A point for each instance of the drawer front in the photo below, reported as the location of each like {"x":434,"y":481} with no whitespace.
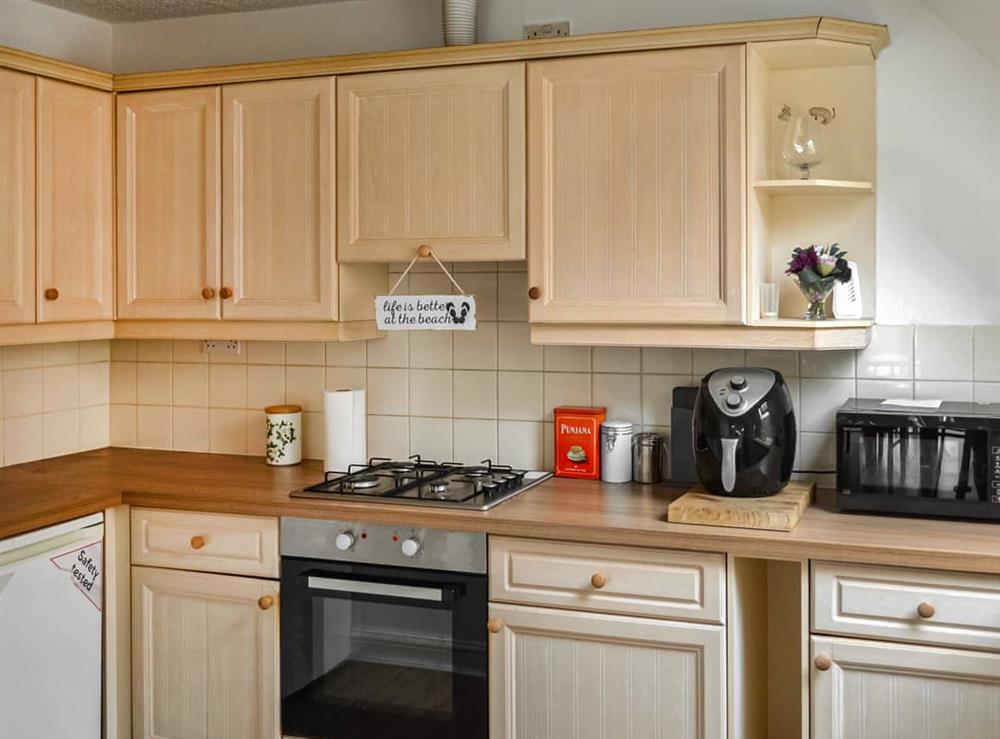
{"x":924,"y":606}
{"x":209,"y":542}
{"x":689,"y":586}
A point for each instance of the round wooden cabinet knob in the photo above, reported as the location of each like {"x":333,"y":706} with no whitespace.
{"x":51,"y":293}
{"x":598,"y":580}
{"x":265,"y":601}
{"x":494,"y":625}
{"x":423,"y":251}
{"x":208,"y":293}
{"x":925,"y":610}
{"x":534,"y":293}
{"x":823,"y":662}
{"x":225,"y":293}
{"x":197,"y":542}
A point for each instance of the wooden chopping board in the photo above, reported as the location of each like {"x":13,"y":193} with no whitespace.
{"x":779,"y":512}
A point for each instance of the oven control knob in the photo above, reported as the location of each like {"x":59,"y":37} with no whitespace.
{"x":344,"y":541}
{"x":410,"y":547}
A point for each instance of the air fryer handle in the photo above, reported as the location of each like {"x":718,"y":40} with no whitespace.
{"x":729,"y":447}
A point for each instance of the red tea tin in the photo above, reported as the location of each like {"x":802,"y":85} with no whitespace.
{"x":577,"y":439}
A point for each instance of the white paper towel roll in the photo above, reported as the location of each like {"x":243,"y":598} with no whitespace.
{"x":345,"y":425}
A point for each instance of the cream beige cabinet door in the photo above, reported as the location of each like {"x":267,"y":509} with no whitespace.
{"x":168,"y":204}
{"x":567,"y":675}
{"x":74,"y":229}
{"x":432,"y":156}
{"x":204,"y":656}
{"x":889,"y":691}
{"x":278,"y":204}
{"x":636,"y":182}
{"x":17,"y":197}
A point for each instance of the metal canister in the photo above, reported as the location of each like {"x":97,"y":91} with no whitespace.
{"x":647,"y":458}
{"x":616,"y":451}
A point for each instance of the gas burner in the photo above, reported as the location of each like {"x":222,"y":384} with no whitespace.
{"x":439,"y":488}
{"x":361,"y":482}
{"x":475,"y":473}
{"x":401,"y":470}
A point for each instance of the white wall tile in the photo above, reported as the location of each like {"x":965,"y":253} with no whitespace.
{"x":67,"y":352}
{"x":566,"y":388}
{"x":346,"y":378}
{"x":123,"y":350}
{"x":477,"y":349}
{"x":304,"y":386}
{"x":388,"y":436}
{"x":95,"y":384}
{"x":706,"y":360}
{"x":312,"y":435}
{"x":154,"y":350}
{"x":617,"y":359}
{"x":475,"y":394}
{"x":227,"y":432}
{"x":265,"y":385}
{"x":190,"y":429}
{"x":620,"y":394}
{"x":517,"y":265}
{"x":22,"y":357}
{"x":885,"y":389}
{"x":388,"y":391}
{"x":191,"y":351}
{"x":785,"y":362}
{"x":817,"y":452}
{"x":227,"y":385}
{"x":23,"y":439}
{"x":153,"y":383}
{"x":122,"y":419}
{"x":269,"y":352}
{"x":986,"y":360}
{"x":830,"y":364}
{"x":520,"y":444}
{"x":514,"y":348}
{"x":657,"y":397}
{"x":305,"y":353}
{"x":431,"y":349}
{"x":667,"y":361}
{"x":153,"y":427}
{"x":484,"y":287}
{"x":431,"y":438}
{"x":475,"y":440}
{"x":392,"y":351}
{"x":22,"y":392}
{"x":430,"y":392}
{"x":942,"y":352}
{"x":61,"y":432}
{"x":820,"y":400}
{"x":513,"y":296}
{"x":95,"y":351}
{"x":345,"y":354}
{"x":519,"y":396}
{"x":889,"y":356}
{"x":123,"y":382}
{"x":461,"y":267}
{"x":256,"y":433}
{"x":61,"y":387}
{"x":986,"y":392}
{"x":943,"y":390}
{"x":95,"y":427}
{"x":567,"y":358}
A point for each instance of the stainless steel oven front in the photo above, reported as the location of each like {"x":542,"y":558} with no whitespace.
{"x":383,"y":631}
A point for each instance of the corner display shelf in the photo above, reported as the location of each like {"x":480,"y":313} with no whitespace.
{"x":814,"y":187}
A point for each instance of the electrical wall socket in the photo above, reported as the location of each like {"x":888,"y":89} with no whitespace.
{"x":546,"y":30}
{"x":218,"y":346}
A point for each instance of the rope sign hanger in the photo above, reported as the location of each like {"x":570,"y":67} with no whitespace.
{"x":423,"y":252}
{"x":425,"y":312}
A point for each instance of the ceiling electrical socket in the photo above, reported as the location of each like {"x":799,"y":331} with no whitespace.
{"x":546,"y":30}
{"x":218,"y":346}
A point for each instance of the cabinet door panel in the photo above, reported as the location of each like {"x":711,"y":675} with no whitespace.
{"x":432,"y":156}
{"x":636,"y":184}
{"x":278,"y":206}
{"x":74,"y":200}
{"x":168,"y":204}
{"x":204,"y":656}
{"x":565,"y":675}
{"x":17,"y":197}
{"x":889,"y":691}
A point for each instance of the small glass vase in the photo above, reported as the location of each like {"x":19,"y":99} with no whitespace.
{"x":816,"y":294}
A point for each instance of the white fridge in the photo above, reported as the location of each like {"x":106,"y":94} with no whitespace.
{"x":51,"y":601}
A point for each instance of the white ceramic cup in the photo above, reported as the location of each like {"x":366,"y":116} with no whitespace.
{"x":283,"y":425}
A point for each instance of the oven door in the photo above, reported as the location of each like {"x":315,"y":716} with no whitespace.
{"x":373,"y":651}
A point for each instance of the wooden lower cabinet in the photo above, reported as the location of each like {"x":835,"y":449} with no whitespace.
{"x":878,"y":690}
{"x":204,"y":656}
{"x":558,"y":674}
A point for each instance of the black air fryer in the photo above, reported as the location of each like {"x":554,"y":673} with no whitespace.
{"x":744,"y":432}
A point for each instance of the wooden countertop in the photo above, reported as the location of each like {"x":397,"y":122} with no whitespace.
{"x":47,"y":492}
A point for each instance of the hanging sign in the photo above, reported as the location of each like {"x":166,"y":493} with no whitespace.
{"x":425,"y":312}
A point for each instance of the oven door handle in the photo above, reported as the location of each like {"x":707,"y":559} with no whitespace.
{"x":384,"y":589}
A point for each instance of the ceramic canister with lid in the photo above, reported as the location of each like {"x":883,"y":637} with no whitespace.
{"x":284,"y":434}
{"x":616,"y":451}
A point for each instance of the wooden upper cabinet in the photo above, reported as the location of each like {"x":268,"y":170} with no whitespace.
{"x":168,"y":204}
{"x":432,"y":156}
{"x":636,"y":184}
{"x":74,"y":203}
{"x":278,"y":206}
{"x":17,"y":197}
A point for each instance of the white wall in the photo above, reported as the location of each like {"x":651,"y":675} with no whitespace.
{"x":57,"y":33}
{"x":346,"y":27}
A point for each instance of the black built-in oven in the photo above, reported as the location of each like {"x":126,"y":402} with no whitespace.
{"x":383,"y":632}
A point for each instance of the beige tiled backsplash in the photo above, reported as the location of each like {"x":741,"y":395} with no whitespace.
{"x":465,"y":395}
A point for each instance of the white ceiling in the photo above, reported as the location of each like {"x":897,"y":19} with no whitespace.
{"x":126,"y":11}
{"x":978,"y":21}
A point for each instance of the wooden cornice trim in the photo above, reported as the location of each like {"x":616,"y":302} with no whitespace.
{"x":789,"y":29}
{"x":25,"y":61}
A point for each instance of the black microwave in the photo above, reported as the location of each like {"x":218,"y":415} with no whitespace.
{"x":940,"y":462}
